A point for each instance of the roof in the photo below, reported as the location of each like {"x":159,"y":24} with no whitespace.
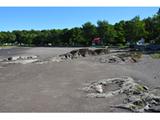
{"x":98,"y":38}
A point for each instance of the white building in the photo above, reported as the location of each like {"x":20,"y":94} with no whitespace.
{"x":141,"y":42}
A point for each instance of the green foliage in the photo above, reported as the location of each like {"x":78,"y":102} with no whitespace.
{"x":118,"y":34}
{"x":106,"y":32}
{"x":122,"y":46}
{"x":135,"y":30}
{"x":102,"y":30}
{"x":7,"y":37}
{"x":139,"y":89}
{"x":152,"y":26}
{"x":76,"y":37}
{"x":89,"y":32}
{"x":136,"y":55}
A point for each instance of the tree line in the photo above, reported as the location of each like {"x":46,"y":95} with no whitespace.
{"x":118,"y":34}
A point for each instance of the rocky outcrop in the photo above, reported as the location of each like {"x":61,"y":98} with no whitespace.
{"x":118,"y":58}
{"x":74,"y":54}
{"x":21,"y":59}
{"x":138,"y":97}
{"x":13,"y":58}
{"x":84,"y":53}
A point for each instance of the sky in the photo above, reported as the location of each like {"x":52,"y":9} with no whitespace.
{"x":38,"y":18}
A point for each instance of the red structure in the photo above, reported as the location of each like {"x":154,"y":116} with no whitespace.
{"x":96,"y":41}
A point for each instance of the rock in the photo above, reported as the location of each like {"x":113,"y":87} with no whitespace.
{"x":132,"y":99}
{"x":101,"y":51}
{"x":97,"y":95}
{"x":27,"y":57}
{"x":99,"y":88}
{"x":56,"y":59}
{"x":34,"y":56}
{"x":118,"y":58}
{"x":138,"y":97}
{"x":22,"y":61}
{"x":102,"y":60}
{"x":154,"y":109}
{"x":84,"y":52}
{"x":13,"y":58}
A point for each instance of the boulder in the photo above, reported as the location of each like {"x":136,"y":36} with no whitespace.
{"x":155,"y":108}
{"x":13,"y":58}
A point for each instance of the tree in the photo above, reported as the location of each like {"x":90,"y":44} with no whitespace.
{"x":7,"y":37}
{"x":66,"y":34}
{"x":19,"y":38}
{"x":156,"y":28}
{"x":89,"y":32}
{"x":10,"y":37}
{"x":106,"y":32}
{"x":152,"y":26}
{"x":76,"y":38}
{"x":102,"y":29}
{"x":2,"y":38}
{"x":135,"y":30}
{"x":149,"y":27}
{"x":120,"y":32}
{"x":111,"y":35}
{"x":41,"y":39}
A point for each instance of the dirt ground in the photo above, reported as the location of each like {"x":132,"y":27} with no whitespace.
{"x":57,"y":86}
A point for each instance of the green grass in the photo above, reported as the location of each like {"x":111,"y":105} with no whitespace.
{"x":136,"y":55}
{"x":6,"y":46}
{"x":155,"y":56}
{"x":121,"y":46}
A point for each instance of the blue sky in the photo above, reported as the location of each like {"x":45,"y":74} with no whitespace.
{"x":38,"y":18}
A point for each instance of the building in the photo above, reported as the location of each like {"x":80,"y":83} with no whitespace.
{"x":96,"y":41}
{"x":141,"y":42}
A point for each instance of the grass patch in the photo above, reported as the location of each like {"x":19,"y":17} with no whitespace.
{"x":139,"y":89}
{"x":155,"y":56}
{"x":121,"y":46}
{"x":136,"y":55}
{"x":7,"y":46}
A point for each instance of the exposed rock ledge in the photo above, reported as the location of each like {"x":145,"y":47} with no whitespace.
{"x":138,"y":97}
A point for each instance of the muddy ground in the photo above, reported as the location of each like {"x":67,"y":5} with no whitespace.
{"x":58,"y":86}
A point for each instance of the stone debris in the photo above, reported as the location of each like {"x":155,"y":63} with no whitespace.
{"x":118,"y":58}
{"x":74,"y":54}
{"x":67,"y":56}
{"x":99,"y":88}
{"x":138,"y":97}
{"x":20,"y":59}
{"x":56,"y":59}
{"x":154,"y":108}
{"x":13,"y":58}
{"x":84,"y":52}
{"x":49,"y":60}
